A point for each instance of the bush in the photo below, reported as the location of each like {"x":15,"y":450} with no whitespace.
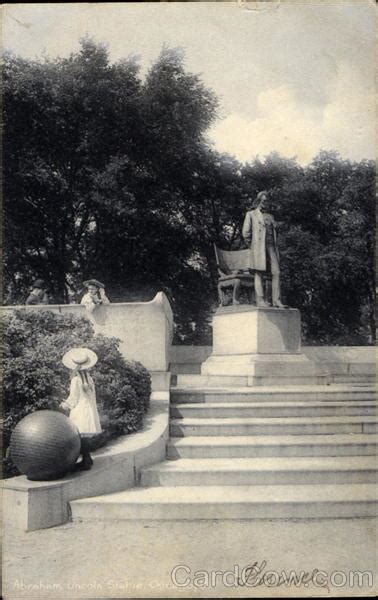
{"x":35,"y":378}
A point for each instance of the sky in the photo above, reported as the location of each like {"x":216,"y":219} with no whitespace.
{"x":293,"y":77}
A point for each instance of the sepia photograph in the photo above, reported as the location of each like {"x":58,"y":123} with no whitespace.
{"x":189,"y":404}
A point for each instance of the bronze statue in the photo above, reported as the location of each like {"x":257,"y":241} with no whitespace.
{"x":259,"y":232}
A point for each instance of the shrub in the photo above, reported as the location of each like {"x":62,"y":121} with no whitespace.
{"x":35,"y":378}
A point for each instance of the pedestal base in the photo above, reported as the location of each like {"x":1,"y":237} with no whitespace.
{"x":248,"y":329}
{"x":267,"y":369}
{"x":262,"y":344}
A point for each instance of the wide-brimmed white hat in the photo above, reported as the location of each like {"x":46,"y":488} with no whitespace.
{"x":79,"y":358}
{"x":94,"y":282}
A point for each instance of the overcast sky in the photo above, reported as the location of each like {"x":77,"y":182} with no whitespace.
{"x":292,"y":77}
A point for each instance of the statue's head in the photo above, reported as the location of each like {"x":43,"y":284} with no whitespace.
{"x":261,"y":200}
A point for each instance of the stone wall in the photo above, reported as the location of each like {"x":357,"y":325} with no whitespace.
{"x":144,"y":328}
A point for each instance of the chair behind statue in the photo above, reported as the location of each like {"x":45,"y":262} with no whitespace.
{"x":234,"y":269}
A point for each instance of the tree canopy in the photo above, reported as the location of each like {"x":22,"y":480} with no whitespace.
{"x":110,"y":175}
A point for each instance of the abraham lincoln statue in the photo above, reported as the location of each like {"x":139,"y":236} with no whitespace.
{"x":259,"y":233}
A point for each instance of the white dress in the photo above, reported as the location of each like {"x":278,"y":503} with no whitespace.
{"x":90,"y":305}
{"x":82,"y":405}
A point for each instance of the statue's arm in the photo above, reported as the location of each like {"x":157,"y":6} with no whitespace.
{"x":247,"y":229}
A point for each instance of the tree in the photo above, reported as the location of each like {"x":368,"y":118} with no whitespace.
{"x":63,"y":120}
{"x":112,"y":176}
{"x":101,"y":170}
{"x":327,"y":241}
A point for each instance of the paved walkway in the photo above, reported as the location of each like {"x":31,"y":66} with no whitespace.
{"x":136,"y":559}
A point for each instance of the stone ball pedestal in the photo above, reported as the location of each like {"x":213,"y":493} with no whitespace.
{"x":262,"y":344}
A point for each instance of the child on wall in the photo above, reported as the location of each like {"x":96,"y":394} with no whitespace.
{"x":95,"y":295}
{"x":81,"y":402}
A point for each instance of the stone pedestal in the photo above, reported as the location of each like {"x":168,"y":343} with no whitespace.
{"x":262,"y":344}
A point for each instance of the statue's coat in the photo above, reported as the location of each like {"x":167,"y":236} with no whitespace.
{"x":254,"y":233}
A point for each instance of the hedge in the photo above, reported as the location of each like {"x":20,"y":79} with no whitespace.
{"x":34,"y":377}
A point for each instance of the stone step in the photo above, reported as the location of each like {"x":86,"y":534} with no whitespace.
{"x":272,"y":426}
{"x":352,"y":378}
{"x":272,"y":445}
{"x":261,"y":471}
{"x":240,"y":502}
{"x":333,"y":393}
{"x":200,"y":381}
{"x":272,"y":409}
{"x":237,"y":380}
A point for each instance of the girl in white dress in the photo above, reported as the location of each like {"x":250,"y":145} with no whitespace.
{"x":95,"y":295}
{"x":81,"y":403}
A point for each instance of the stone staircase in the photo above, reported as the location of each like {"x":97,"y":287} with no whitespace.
{"x":261,"y":452}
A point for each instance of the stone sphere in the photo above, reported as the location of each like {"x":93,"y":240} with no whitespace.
{"x":45,"y":445}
